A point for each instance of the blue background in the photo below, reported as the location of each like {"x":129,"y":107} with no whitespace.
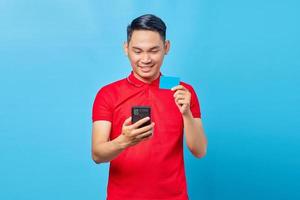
{"x":242,"y":57}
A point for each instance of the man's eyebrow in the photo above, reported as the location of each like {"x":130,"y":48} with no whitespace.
{"x":152,"y":48}
{"x":155,"y":47}
{"x":136,"y":48}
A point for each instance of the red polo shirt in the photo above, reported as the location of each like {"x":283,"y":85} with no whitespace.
{"x":152,"y":169}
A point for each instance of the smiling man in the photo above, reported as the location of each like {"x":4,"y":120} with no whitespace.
{"x":146,"y":163}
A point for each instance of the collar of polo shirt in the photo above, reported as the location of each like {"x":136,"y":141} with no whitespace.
{"x":138,"y":83}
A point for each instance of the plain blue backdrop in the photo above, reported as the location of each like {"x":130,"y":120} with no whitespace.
{"x":242,"y":57}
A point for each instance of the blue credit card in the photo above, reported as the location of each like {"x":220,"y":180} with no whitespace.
{"x":167,"y":82}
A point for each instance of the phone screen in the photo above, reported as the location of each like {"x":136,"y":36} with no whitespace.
{"x":140,"y":112}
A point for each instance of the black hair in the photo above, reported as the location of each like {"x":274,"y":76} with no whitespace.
{"x":147,"y":22}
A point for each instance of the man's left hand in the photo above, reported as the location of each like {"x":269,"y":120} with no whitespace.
{"x":182,"y":98}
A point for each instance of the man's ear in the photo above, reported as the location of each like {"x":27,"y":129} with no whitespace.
{"x":125,"y":47}
{"x":167,"y":46}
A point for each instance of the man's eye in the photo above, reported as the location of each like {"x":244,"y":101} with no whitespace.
{"x":137,"y":52}
{"x":154,"y":51}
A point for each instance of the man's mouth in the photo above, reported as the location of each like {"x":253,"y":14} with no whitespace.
{"x":145,"y":68}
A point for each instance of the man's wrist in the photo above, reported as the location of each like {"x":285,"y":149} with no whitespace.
{"x":188,"y":114}
{"x":118,"y":143}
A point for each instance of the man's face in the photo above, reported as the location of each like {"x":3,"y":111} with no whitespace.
{"x":146,"y":51}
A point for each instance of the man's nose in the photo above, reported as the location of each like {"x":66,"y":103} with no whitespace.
{"x":146,"y":58}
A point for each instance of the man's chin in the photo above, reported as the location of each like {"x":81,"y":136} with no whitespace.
{"x":147,"y":76}
{"x":146,"y":73}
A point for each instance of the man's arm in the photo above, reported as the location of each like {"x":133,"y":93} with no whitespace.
{"x":194,"y":135}
{"x":104,"y":150}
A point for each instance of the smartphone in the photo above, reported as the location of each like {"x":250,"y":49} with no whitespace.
{"x":140,"y":112}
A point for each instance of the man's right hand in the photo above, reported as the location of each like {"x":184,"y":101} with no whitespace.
{"x":132,"y":134}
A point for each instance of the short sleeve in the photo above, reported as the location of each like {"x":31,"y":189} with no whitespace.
{"x":195,"y":106}
{"x":102,"y":108}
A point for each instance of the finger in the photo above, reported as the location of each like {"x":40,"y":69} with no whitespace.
{"x":179,"y":101}
{"x":146,"y":138}
{"x":178,"y":87}
{"x":144,"y":135}
{"x":179,"y":92}
{"x":143,"y":129}
{"x":179,"y":97}
{"x":182,"y":102}
{"x":140,"y":122}
{"x":134,"y":143}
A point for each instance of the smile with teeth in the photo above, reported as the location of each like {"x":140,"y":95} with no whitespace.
{"x":146,"y":68}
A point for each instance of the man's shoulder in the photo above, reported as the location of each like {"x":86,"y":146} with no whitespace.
{"x":113,"y":86}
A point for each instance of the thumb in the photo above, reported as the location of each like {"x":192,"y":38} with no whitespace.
{"x":127,"y":122}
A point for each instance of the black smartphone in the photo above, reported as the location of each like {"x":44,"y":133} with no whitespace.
{"x":140,"y":112}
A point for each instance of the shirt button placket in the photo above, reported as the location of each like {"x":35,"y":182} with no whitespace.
{"x":147,"y":93}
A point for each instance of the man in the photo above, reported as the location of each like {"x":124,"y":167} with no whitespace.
{"x":146,"y":163}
